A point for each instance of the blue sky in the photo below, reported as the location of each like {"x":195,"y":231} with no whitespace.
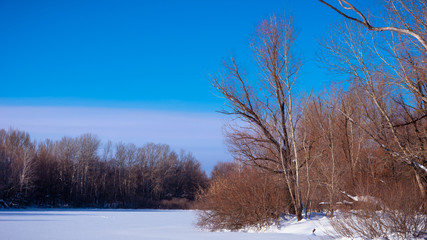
{"x":67,"y":67}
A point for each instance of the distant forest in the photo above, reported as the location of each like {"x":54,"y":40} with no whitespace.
{"x":82,"y":172}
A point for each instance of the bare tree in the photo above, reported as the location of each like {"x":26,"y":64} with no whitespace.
{"x":267,"y":139}
{"x":73,"y":172}
{"x":409,"y":16}
{"x":390,"y":70}
{"x":27,"y":170}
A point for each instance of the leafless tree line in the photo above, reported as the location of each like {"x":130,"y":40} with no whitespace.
{"x":82,"y":172}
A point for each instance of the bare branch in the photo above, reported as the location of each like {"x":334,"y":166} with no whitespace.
{"x":368,"y":25}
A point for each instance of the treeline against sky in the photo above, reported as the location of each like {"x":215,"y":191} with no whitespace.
{"x":82,"y":172}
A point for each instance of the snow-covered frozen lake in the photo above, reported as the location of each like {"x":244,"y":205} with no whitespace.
{"x":133,"y":224}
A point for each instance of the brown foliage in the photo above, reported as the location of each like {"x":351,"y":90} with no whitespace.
{"x":243,"y":198}
{"x":222,"y":169}
{"x":395,"y":211}
{"x":177,"y":203}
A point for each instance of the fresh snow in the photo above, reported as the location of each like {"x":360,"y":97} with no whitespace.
{"x":140,"y":224}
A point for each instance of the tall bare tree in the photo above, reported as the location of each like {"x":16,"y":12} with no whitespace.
{"x":267,"y":138}
{"x":408,"y":17}
{"x":389,"y":65}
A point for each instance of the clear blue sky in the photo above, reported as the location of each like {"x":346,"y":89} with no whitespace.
{"x":147,"y":56}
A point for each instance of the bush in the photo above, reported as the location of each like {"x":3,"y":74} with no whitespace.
{"x":397,"y":213}
{"x":240,"y":199}
{"x":176,"y":203}
{"x":381,"y":224}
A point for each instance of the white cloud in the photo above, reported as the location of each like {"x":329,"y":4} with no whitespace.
{"x":199,"y":133}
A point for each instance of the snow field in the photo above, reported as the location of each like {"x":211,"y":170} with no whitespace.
{"x":139,"y":224}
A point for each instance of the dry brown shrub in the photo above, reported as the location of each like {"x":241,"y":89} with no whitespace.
{"x":176,"y":203}
{"x":221,"y":169}
{"x":396,"y":212}
{"x":241,"y":199}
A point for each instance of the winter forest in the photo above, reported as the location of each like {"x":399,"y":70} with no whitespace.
{"x":80,"y":172}
{"x":356,"y":152}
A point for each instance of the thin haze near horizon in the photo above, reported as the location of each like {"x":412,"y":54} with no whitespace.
{"x":137,"y":71}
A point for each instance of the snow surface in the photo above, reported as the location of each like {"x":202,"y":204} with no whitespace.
{"x":139,"y":224}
